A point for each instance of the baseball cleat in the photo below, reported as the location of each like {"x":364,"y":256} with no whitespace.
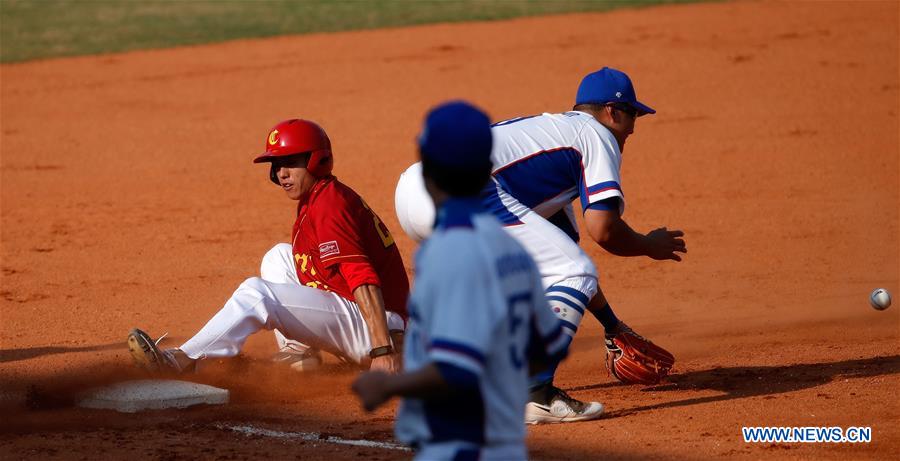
{"x":561,"y":408}
{"x":309,"y":360}
{"x":148,"y":355}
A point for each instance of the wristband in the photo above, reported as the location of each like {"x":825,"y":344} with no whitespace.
{"x":379,"y":351}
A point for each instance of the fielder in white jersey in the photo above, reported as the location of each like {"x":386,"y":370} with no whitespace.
{"x":477,"y":315}
{"x":541,"y":164}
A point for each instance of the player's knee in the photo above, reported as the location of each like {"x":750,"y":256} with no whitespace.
{"x":569,"y":300}
{"x":253,"y":288}
{"x":578,"y":272}
{"x":588,"y":270}
{"x":276,"y":261}
{"x":586,"y":287}
{"x":252,"y":299}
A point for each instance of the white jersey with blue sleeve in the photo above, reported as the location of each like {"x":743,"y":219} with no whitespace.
{"x":546,"y":161}
{"x":476,"y":311}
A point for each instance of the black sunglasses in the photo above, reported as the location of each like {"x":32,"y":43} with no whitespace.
{"x":626,"y":109}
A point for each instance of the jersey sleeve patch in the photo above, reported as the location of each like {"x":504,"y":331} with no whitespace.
{"x":329,"y":249}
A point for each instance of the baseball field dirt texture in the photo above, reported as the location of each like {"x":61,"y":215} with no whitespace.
{"x":129,"y":199}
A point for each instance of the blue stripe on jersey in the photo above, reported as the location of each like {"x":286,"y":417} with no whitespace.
{"x":607,"y":204}
{"x":541,"y":176}
{"x":491,"y":202}
{"x":585,"y":194}
{"x":459,"y":416}
{"x":571,"y":292}
{"x":600,"y":187}
{"x":458,"y":347}
{"x":567,"y":302}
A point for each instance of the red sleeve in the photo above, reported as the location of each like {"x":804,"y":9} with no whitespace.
{"x":358,"y":274}
{"x":338,"y":230}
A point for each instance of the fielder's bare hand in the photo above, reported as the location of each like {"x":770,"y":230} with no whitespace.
{"x":663,"y":244}
{"x":371,"y":389}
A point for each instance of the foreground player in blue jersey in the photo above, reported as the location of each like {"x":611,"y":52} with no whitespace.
{"x":477,"y":314}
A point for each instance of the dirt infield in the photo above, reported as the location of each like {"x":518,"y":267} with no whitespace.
{"x":129,"y":199}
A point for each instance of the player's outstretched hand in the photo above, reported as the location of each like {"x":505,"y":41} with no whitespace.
{"x":370,"y":387}
{"x":664,"y":244}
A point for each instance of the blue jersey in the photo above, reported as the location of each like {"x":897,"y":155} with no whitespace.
{"x":476,"y":311}
{"x":546,"y":161}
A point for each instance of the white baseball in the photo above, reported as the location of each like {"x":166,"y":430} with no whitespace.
{"x":880,"y":299}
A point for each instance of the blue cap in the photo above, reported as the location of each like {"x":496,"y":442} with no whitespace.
{"x":609,"y":85}
{"x":458,"y":135}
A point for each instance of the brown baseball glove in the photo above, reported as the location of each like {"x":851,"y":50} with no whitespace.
{"x":633,"y":359}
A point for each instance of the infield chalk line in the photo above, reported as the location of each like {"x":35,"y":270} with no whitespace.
{"x":311,"y":437}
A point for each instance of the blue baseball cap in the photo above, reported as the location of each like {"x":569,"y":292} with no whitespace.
{"x":609,"y":85}
{"x":457,"y":134}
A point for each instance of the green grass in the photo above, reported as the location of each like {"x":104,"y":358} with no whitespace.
{"x":35,"y":29}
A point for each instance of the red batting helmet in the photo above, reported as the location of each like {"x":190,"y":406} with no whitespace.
{"x":297,"y":136}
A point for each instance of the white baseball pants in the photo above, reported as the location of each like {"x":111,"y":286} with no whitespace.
{"x":568,"y":274}
{"x":304,"y":316}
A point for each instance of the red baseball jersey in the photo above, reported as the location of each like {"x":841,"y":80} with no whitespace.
{"x":339,"y":244}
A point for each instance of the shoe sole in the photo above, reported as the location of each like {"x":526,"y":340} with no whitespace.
{"x":306,"y":365}
{"x":299,"y":362}
{"x":143,"y":351}
{"x":534,"y":419}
